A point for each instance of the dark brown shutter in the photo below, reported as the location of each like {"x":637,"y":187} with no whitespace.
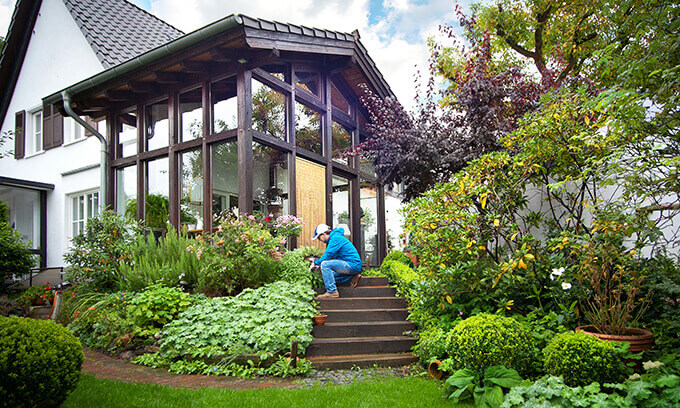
{"x":53,"y":127}
{"x":19,"y":134}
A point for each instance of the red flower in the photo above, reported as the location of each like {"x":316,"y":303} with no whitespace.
{"x":267,"y":219}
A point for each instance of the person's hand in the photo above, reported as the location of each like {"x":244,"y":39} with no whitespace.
{"x":312,"y":265}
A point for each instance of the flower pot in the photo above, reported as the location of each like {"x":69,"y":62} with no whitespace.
{"x":639,"y":339}
{"x":434,"y":370}
{"x":320,"y":320}
{"x":38,"y":301}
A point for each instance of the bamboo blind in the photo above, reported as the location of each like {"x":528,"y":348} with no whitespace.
{"x":310,"y":183}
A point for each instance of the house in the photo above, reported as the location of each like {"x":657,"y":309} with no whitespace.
{"x":243,"y":113}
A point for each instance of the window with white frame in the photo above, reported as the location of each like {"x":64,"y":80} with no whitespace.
{"x":73,"y":131}
{"x":34,"y":132}
{"x":84,"y":206}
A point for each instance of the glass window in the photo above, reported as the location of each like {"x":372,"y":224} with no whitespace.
{"x":224,"y":107}
{"x":366,"y":165}
{"x":127,"y":136}
{"x":269,"y":110}
{"x":34,"y":139}
{"x":24,"y":212}
{"x":158,"y":186}
{"x":369,"y":224}
{"x":157,"y":125}
{"x":338,"y":101}
{"x":224,"y":178}
{"x":191,"y":115}
{"x":83,"y":208}
{"x":309,"y":81}
{"x":278,"y":71}
{"x":341,"y":202}
{"x":394,"y":221}
{"x":270,"y":180}
{"x":342,"y":140}
{"x":73,"y":131}
{"x":191,"y":187}
{"x":126,"y":191}
{"x":308,"y":128}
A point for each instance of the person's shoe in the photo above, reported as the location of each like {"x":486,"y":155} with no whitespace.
{"x":355,"y":280}
{"x":329,"y":295}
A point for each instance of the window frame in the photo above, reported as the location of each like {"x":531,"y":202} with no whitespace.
{"x":88,"y":212}
{"x":34,"y":144}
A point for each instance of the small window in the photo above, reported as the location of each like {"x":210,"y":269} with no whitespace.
{"x":308,"y":128}
{"x":73,"y":131}
{"x":191,"y":114}
{"x":84,"y":207}
{"x":34,"y":133}
{"x":269,"y":110}
{"x":309,"y":81}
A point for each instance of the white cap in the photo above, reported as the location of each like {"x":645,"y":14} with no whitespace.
{"x":320,"y":229}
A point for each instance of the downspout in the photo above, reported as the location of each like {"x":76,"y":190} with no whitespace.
{"x":104,"y":151}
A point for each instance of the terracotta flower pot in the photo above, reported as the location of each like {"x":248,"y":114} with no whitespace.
{"x":320,"y":320}
{"x":639,"y":339}
{"x":434,"y":370}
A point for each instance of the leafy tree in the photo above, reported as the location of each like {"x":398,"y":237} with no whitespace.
{"x":15,"y":254}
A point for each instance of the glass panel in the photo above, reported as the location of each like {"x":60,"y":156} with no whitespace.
{"x":342,"y":140}
{"x":366,"y":164}
{"x":225,"y":112}
{"x":158,"y":186}
{"x":191,"y":187}
{"x":338,"y":101}
{"x":126,"y":191}
{"x":157,"y":125}
{"x":278,"y":71}
{"x":309,"y":81}
{"x":24,"y":212}
{"x":191,"y":115}
{"x":224,"y":178}
{"x":270,"y":180}
{"x":369,"y":224}
{"x":362,"y":121}
{"x":394,"y":221}
{"x":308,"y":128}
{"x":37,"y":141}
{"x":127,"y":137}
{"x":341,"y":203}
{"x":269,"y":110}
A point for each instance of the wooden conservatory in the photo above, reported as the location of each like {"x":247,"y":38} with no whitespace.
{"x":242,"y":113}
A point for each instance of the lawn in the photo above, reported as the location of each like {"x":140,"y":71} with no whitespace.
{"x":397,"y":392}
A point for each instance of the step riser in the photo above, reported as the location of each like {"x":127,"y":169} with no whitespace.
{"x":342,"y":348}
{"x":361,"y":303}
{"x":363,"y":330}
{"x":366,"y":291}
{"x":366,"y":316}
{"x":344,"y":365}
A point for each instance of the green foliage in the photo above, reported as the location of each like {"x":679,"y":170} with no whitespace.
{"x":166,"y":261}
{"x":100,"y":320}
{"x":307,"y":251}
{"x":43,"y":292}
{"x":156,"y":212}
{"x":486,"y":340}
{"x":486,"y":391}
{"x":255,"y":321}
{"x":156,"y":306}
{"x":96,"y":254}
{"x":294,"y":269}
{"x":398,"y":256}
{"x":552,"y":392}
{"x":240,"y":254}
{"x":581,"y":359}
{"x":40,"y":363}
{"x":431,"y":345}
{"x":15,"y":255}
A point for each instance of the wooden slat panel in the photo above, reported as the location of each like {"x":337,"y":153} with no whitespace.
{"x":310,"y":185}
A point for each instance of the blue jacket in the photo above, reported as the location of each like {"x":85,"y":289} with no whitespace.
{"x":339,"y":247}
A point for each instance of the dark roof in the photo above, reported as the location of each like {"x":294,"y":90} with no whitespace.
{"x":118,"y":30}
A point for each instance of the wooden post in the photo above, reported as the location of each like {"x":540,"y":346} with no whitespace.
{"x":293,"y":352}
{"x":244,"y":140}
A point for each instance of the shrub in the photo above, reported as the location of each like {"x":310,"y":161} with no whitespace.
{"x":397,"y":256}
{"x":166,"y":262}
{"x":294,"y":269}
{"x":99,"y":320}
{"x":486,"y":340}
{"x":156,"y":306}
{"x":15,"y":254}
{"x":581,"y":359}
{"x":431,"y":345}
{"x":40,"y":363}
{"x":307,"y":251}
{"x":96,"y":254}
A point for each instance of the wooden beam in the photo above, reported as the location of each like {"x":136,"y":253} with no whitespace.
{"x":341,"y":64}
{"x":223,"y":54}
{"x":244,"y":141}
{"x":119,"y":96}
{"x":163,"y":77}
{"x":195,"y":67}
{"x":128,"y":119}
{"x":142,"y":87}
{"x":264,"y":58}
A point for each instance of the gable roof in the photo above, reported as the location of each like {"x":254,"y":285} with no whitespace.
{"x":117,"y":30}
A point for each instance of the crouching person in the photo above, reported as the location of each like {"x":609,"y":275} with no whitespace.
{"x":339,"y":263}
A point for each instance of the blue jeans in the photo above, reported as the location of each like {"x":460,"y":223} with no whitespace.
{"x":336,"y":270}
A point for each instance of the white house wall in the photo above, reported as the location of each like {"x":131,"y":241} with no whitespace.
{"x":57,"y":56}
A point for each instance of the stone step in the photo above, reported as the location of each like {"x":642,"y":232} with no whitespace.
{"x":369,"y":281}
{"x":363,"y":291}
{"x":360,"y":345}
{"x":365,"y":315}
{"x":362,"y":360}
{"x":361,"y":303}
{"x":362,"y":329}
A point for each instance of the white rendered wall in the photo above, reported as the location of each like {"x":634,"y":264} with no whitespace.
{"x":57,"y":56}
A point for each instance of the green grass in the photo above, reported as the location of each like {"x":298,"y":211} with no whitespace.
{"x":396,"y":392}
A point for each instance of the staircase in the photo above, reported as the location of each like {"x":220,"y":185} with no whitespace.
{"x":365,"y":327}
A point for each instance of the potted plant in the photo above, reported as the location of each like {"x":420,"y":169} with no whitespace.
{"x":37,"y":295}
{"x":613,"y":304}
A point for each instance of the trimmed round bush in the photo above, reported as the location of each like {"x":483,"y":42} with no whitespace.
{"x":486,"y":340}
{"x":40,"y":363}
{"x":581,"y":359}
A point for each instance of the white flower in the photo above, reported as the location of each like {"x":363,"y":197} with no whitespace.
{"x":648,"y":365}
{"x":566,"y":285}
